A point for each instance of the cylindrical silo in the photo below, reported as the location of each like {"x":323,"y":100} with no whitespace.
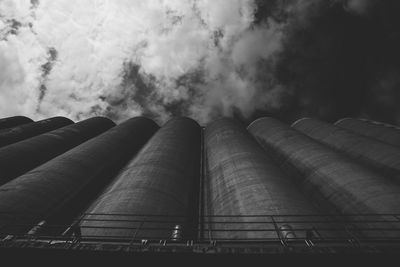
{"x":383,"y":157}
{"x":155,"y":195}
{"x":327,"y":175}
{"x":61,"y":185}
{"x":10,"y":122}
{"x":390,"y":135}
{"x":18,"y":158}
{"x":21,"y":132}
{"x":245,"y":186}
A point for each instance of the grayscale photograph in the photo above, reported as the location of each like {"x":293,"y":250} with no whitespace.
{"x":199,"y":129}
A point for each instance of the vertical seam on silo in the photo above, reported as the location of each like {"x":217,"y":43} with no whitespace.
{"x":200,"y":223}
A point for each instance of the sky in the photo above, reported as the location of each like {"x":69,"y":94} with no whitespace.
{"x":203,"y":59}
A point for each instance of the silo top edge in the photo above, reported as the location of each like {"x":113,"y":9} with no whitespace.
{"x":299,"y":120}
{"x":255,"y":121}
{"x":343,"y":119}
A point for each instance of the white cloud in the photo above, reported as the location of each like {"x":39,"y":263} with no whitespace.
{"x":94,"y":40}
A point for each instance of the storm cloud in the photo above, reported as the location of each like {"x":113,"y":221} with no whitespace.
{"x":202,"y":59}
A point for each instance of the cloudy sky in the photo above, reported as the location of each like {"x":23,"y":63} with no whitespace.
{"x":200,"y":58}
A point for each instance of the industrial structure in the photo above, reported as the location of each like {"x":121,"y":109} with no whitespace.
{"x":312,"y":187}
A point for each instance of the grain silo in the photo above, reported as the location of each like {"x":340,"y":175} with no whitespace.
{"x":66,"y":183}
{"x":18,"y":158}
{"x":386,"y":133}
{"x":328,"y":176}
{"x":383,"y":157}
{"x":10,"y":122}
{"x":155,"y":196}
{"x":245,"y":189}
{"x":24,"y":131}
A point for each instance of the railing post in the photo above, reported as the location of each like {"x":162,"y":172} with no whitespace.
{"x":278,"y":233}
{"x":35,"y":230}
{"x":177,"y":233}
{"x":209,"y":230}
{"x":136,"y":232}
{"x":74,"y":229}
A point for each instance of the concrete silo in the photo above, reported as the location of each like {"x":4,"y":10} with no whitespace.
{"x":64,"y":185}
{"x":21,"y":132}
{"x":10,"y":122}
{"x":18,"y":158}
{"x":387,"y":134}
{"x":245,"y":185}
{"x":156,"y":194}
{"x":326,"y":175}
{"x":383,"y":157}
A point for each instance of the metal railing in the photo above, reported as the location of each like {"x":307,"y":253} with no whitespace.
{"x":255,"y":230}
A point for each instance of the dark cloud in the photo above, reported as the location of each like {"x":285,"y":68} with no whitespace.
{"x":138,"y":88}
{"x":35,"y":3}
{"x":11,"y":29}
{"x":336,"y":62}
{"x":46,"y":69}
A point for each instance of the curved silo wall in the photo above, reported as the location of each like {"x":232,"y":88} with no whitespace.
{"x":390,"y":135}
{"x":242,"y":180}
{"x":21,"y":132}
{"x":161,"y":181}
{"x":383,"y":157}
{"x":18,"y":158}
{"x":10,"y":122}
{"x":327,"y":175}
{"x":61,"y":186}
